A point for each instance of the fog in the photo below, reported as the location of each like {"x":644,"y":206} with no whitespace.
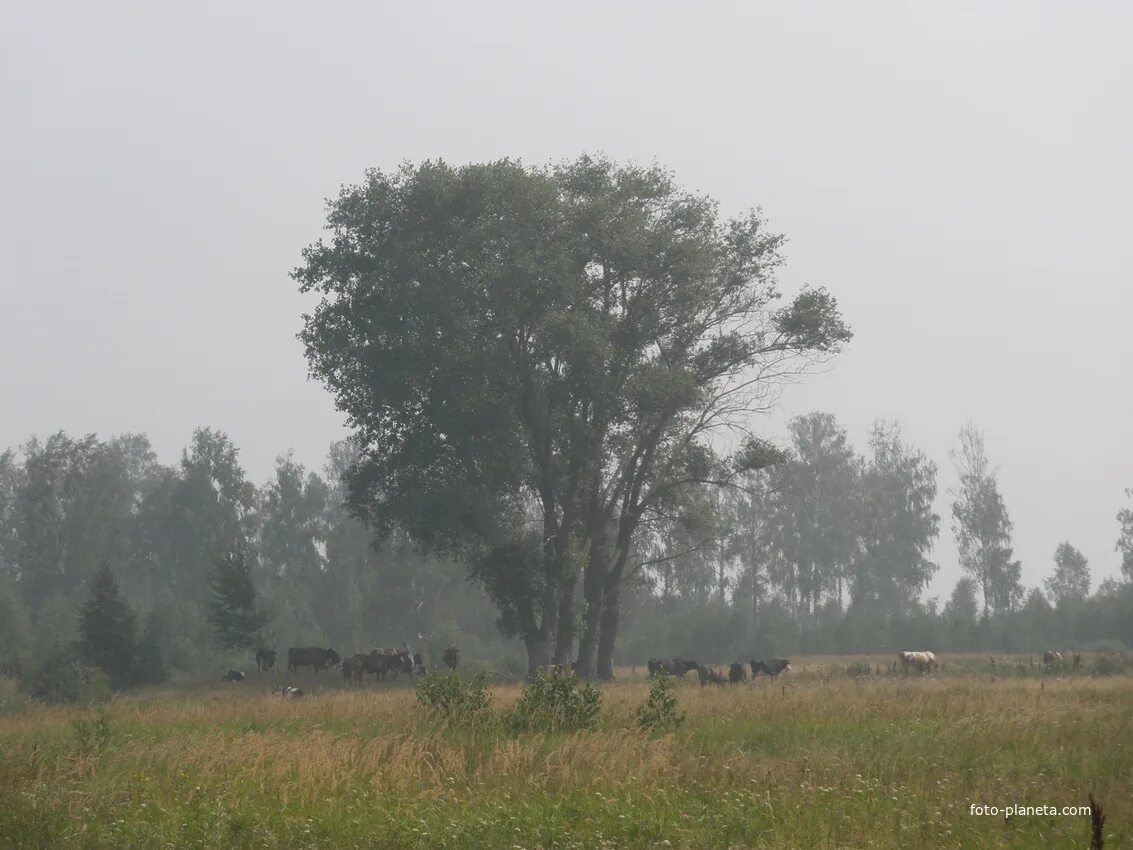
{"x":957,"y":176}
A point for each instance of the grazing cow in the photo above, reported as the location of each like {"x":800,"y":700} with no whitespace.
{"x":265,"y":660}
{"x":1052,"y":659}
{"x":923,"y":662}
{"x":233,"y":676}
{"x":353,"y":668}
{"x":709,"y":675}
{"x":770,"y":667}
{"x":679,"y":666}
{"x":736,"y":673}
{"x":656,"y":665}
{"x":392,"y":661}
{"x":311,"y":656}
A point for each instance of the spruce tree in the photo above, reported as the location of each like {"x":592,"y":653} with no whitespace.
{"x":108,"y":629}
{"x":232,"y":610}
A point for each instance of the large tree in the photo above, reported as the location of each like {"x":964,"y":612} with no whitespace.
{"x":535,"y":359}
{"x":982,"y":527}
{"x":1125,"y":540}
{"x":236,"y":618}
{"x":1070,"y":581}
{"x":108,"y":629}
{"x":897,"y":525}
{"x":811,"y":515}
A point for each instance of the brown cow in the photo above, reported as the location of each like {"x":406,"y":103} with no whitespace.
{"x":353,"y":668}
{"x":393,"y":661}
{"x":709,"y":675}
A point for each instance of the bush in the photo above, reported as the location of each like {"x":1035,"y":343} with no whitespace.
{"x":93,"y":735}
{"x":65,"y":678}
{"x":555,"y":701}
{"x":660,"y":709}
{"x":1110,"y":664}
{"x":451,"y":699}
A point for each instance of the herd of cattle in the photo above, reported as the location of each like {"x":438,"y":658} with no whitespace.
{"x":711,"y":675}
{"x":380,"y":662}
{"x":392,"y":662}
{"x":908,"y":661}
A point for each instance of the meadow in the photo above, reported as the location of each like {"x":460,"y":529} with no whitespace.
{"x":818,"y":759}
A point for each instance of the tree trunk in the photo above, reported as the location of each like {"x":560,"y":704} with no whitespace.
{"x":538,"y":651}
{"x":592,"y":594}
{"x":564,"y":640}
{"x":607,"y":635}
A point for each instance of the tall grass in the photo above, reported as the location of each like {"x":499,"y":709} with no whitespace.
{"x":812,"y":761}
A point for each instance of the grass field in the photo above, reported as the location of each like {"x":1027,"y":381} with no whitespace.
{"x":818,"y":759}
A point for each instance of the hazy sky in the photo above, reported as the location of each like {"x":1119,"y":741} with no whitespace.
{"x":958,"y":175}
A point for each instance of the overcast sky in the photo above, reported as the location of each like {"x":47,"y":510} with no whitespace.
{"x":957,"y":174}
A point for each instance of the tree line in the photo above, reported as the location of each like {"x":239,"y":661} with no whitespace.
{"x":827,"y":552}
{"x":73,"y":509}
{"x":105,"y":549}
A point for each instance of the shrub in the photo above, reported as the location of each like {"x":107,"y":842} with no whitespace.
{"x":1110,"y":664}
{"x":554,"y":701}
{"x":451,"y":699}
{"x":93,"y":735}
{"x":660,"y":709}
{"x":65,"y":678}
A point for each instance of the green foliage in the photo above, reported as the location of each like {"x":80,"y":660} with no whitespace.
{"x":553,"y":701}
{"x":1125,"y":539}
{"x":450,"y":698}
{"x":108,"y":629}
{"x":15,"y":627}
{"x":232,"y":609}
{"x":92,"y":733}
{"x":1111,"y":664}
{"x":982,"y":526}
{"x":1070,"y":581}
{"x":660,"y":708}
{"x":64,"y":677}
{"x":150,"y":665}
{"x":613,"y":315}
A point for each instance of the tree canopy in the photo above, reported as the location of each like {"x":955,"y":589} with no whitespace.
{"x":535,"y":359}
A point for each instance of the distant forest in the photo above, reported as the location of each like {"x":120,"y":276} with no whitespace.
{"x":825,"y":552}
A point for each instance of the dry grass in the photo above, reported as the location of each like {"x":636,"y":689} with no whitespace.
{"x":813,"y":760}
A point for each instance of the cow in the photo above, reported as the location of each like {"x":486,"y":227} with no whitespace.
{"x":736,"y":673}
{"x":709,"y":675}
{"x":1052,"y":659}
{"x":679,"y":666}
{"x":353,"y":668}
{"x":658,"y":665}
{"x":923,"y":662}
{"x":288,"y":691}
{"x":311,"y":656}
{"x":770,"y":667}
{"x":392,"y":661}
{"x":265,"y":660}
{"x":233,"y":676}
